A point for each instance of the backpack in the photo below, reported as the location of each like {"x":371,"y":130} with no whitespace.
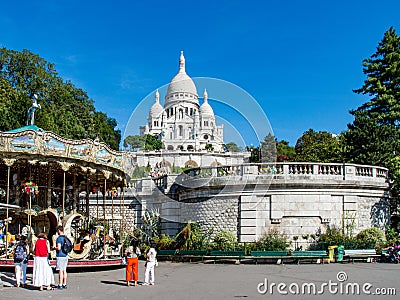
{"x":19,"y":253}
{"x":67,"y":245}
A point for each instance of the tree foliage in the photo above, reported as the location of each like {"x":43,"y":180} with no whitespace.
{"x":232,"y":147}
{"x":65,"y":109}
{"x":268,"y":149}
{"x":152,"y":143}
{"x":374,"y":136}
{"x":284,"y":151}
{"x":135,"y":142}
{"x":319,"y":146}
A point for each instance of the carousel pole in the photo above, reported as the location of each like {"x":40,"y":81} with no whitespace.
{"x":121,"y":206}
{"x":104,"y":201}
{"x":97,"y":196}
{"x":87,"y":195}
{"x":63,"y":196}
{"x":30,"y":210}
{"x":112,"y":202}
{"x":7,"y":202}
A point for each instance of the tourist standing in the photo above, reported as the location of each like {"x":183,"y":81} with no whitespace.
{"x":132,"y":258}
{"x":151,"y":262}
{"x":42,"y":272}
{"x":21,"y":253}
{"x":62,"y":259}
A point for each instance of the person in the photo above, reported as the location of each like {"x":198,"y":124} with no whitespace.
{"x":21,"y":252}
{"x":132,"y":257}
{"x":42,"y":272}
{"x":61,"y":259}
{"x":151,"y":262}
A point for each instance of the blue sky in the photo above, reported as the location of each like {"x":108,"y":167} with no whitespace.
{"x":300,"y":60}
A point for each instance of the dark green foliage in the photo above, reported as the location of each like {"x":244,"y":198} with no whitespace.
{"x":190,"y":237}
{"x":374,"y":136}
{"x":334,"y":237}
{"x":224,"y":240}
{"x":268,"y":149}
{"x":209,"y":147}
{"x":373,"y":236}
{"x":165,"y":242}
{"x":319,"y":146}
{"x":284,"y":151}
{"x":152,"y":143}
{"x":232,"y":147}
{"x":134,"y":142}
{"x":65,"y":109}
{"x":272,"y":240}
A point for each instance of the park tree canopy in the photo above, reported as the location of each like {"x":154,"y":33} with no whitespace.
{"x":319,"y":146}
{"x":374,"y":136}
{"x":65,"y":109}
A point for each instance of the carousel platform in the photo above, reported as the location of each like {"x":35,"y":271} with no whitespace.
{"x":82,"y":265}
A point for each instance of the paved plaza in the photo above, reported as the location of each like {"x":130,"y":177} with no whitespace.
{"x":227,"y":281}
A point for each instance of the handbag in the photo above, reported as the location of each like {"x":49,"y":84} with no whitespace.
{"x":123,"y":261}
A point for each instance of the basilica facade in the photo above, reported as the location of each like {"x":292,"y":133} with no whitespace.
{"x":184,"y":124}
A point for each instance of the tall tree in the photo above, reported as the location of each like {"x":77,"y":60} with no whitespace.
{"x":268,"y":149}
{"x":319,"y":146}
{"x":285,"y":152}
{"x":374,"y":135}
{"x":232,"y":147}
{"x":135,"y":142}
{"x":66,"y":110}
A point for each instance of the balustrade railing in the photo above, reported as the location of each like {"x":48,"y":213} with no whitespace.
{"x":323,"y":170}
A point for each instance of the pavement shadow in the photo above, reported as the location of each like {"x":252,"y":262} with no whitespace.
{"x":119,"y":282}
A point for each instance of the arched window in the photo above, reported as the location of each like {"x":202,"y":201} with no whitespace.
{"x":181,"y":113}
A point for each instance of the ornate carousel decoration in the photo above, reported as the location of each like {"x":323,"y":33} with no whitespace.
{"x":47,"y":180}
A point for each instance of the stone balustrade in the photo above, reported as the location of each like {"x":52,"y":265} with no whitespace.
{"x":290,"y":169}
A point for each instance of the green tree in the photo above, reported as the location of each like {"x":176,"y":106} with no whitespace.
{"x":319,"y":146}
{"x":232,"y":147}
{"x":284,"y":151}
{"x":135,"y":142}
{"x":209,"y":147}
{"x":268,"y":149}
{"x":152,"y":143}
{"x":65,"y":109}
{"x":374,"y":136}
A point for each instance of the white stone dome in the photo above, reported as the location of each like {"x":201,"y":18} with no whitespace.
{"x":181,"y":87}
{"x":206,"y":109}
{"x":182,"y":83}
{"x":156,"y":109}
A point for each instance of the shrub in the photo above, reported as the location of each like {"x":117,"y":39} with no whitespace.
{"x":272,"y":240}
{"x":225,"y":240}
{"x":190,"y":237}
{"x":165,"y":242}
{"x":372,"y":237}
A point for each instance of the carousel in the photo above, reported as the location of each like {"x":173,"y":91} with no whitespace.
{"x":47,"y":180}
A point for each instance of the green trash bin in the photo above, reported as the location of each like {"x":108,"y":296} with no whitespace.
{"x":331,"y":253}
{"x":340,"y":253}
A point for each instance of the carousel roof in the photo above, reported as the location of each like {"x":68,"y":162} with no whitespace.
{"x":28,"y":127}
{"x":37,"y":145}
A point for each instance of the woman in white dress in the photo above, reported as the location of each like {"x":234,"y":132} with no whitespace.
{"x":42,"y":272}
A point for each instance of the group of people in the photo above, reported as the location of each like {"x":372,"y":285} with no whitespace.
{"x":132,"y":254}
{"x":42,"y":276}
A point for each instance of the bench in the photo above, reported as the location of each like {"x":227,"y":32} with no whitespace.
{"x":222,"y":254}
{"x":191,"y":254}
{"x":165,"y":254}
{"x":368,"y":255}
{"x":265,"y":255}
{"x":318,"y":255}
